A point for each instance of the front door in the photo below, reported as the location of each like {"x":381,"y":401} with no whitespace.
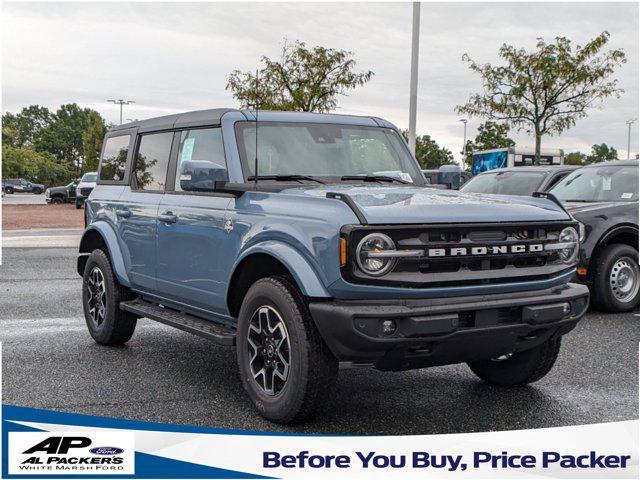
{"x":137,"y":211}
{"x":192,"y":267}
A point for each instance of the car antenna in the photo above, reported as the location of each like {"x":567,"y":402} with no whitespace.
{"x":255,"y":165}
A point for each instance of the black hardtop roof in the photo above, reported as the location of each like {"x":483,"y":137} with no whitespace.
{"x":179,"y":120}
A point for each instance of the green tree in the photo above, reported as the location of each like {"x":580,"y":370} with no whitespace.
{"x":602,"y":153}
{"x":304,"y":79}
{"x":490,"y":135}
{"x":544,"y":92}
{"x":575,"y":158}
{"x":41,"y":167}
{"x":92,"y":141}
{"x":22,"y":129}
{"x":63,"y":137}
{"x":429,"y":154}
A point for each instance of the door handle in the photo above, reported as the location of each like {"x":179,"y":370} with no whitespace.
{"x":123,"y":213}
{"x":168,"y":217}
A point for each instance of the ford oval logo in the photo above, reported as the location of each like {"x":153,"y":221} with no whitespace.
{"x":106,"y":451}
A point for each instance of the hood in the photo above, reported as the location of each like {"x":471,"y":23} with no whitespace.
{"x":86,"y":185}
{"x":584,"y":211}
{"x":398,"y":204}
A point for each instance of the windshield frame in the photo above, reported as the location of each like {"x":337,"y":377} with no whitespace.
{"x":336,"y":179}
{"x":582,"y":171}
{"x":543,"y":176}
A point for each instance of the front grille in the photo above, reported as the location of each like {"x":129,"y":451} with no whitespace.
{"x":465,"y":254}
{"x":85,"y":192}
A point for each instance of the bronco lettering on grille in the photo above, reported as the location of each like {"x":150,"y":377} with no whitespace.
{"x":493,"y":250}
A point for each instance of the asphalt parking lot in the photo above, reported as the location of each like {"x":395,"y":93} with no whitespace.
{"x":164,"y":375}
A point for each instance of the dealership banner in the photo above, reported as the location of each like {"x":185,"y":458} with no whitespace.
{"x":48,"y":444}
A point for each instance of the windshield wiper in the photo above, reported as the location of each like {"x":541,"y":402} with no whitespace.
{"x":373,"y":178}
{"x":286,"y":178}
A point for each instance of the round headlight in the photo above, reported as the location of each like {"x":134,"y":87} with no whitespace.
{"x":370,"y":254}
{"x":569,"y":253}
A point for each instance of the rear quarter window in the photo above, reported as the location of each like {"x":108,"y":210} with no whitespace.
{"x":114,"y":158}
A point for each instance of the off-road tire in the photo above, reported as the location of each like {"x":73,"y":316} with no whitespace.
{"x":118,"y":325}
{"x":8,"y":191}
{"x":57,"y":200}
{"x":312,"y":369}
{"x":521,"y":368}
{"x":78,"y":204}
{"x":603,"y":297}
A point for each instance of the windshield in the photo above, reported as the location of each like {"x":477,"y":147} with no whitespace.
{"x":505,"y":183}
{"x":326,"y":150}
{"x":599,"y":184}
{"x":89,"y":177}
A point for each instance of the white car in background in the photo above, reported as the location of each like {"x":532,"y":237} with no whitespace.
{"x":85,"y":187}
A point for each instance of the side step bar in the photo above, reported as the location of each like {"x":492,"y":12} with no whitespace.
{"x":220,"y":334}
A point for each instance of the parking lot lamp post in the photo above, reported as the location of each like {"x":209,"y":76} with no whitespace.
{"x":629,"y":122}
{"x":121,"y":103}
{"x":464,"y":141}
{"x":413,"y":87}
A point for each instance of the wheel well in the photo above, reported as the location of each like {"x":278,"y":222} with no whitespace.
{"x":91,"y":240}
{"x":625,"y":237}
{"x":249,"y":271}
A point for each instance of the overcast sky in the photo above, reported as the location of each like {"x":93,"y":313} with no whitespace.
{"x":175,"y":57}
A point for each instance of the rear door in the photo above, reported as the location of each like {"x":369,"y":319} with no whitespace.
{"x":138,"y":212}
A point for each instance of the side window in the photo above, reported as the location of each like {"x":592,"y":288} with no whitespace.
{"x":201,"y":160}
{"x":114,"y":158}
{"x":151,"y":161}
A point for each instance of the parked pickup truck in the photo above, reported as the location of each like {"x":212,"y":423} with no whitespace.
{"x":336,"y":251}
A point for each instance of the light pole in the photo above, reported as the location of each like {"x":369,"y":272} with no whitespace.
{"x":121,"y":103}
{"x":629,"y":122}
{"x":464,"y":142}
{"x":413,"y":85}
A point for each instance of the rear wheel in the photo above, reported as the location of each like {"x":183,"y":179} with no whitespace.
{"x":101,"y":297}
{"x":286,"y":368}
{"x":617,"y":279}
{"x":57,"y":200}
{"x":518,"y":369}
{"x":8,"y":191}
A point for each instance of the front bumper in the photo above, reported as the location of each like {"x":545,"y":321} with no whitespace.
{"x":443,"y":331}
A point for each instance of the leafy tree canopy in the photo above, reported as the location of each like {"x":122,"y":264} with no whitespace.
{"x":599,"y":153}
{"x":22,"y":129}
{"x":544,"y":92}
{"x":303,"y":79}
{"x":429,"y":154}
{"x":40,"y":167}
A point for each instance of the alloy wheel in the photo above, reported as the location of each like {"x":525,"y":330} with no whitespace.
{"x":97,"y":291}
{"x":269,"y":350}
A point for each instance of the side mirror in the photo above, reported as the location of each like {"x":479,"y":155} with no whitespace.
{"x":201,"y":175}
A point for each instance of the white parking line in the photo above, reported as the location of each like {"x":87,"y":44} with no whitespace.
{"x":40,"y":241}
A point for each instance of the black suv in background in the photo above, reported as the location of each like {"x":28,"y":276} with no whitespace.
{"x":604,"y":198}
{"x":517,"y":180}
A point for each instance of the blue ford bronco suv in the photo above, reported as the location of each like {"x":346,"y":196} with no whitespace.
{"x":337,"y":251}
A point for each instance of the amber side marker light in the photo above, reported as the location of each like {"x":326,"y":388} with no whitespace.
{"x":343,"y":252}
{"x":581,"y":271}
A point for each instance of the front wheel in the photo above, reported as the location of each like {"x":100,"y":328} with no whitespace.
{"x":518,"y":369}
{"x":616,"y":286}
{"x":78,"y":204}
{"x":286,"y":368}
{"x":101,"y":297}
